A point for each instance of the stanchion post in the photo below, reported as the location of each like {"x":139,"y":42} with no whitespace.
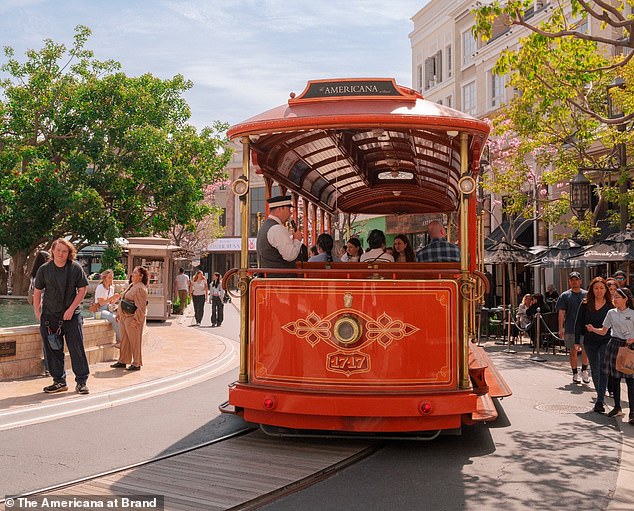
{"x":538,"y":319}
{"x":507,"y":314}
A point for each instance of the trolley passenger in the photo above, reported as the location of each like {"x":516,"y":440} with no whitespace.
{"x":377,"y":251}
{"x":325,"y":244}
{"x":403,"y":251}
{"x":438,"y":250}
{"x":353,"y":251}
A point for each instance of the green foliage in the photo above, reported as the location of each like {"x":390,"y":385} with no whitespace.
{"x":559,"y":116}
{"x":111,"y":259}
{"x":89,"y":152}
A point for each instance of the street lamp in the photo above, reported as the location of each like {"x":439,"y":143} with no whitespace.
{"x":614,"y":110}
{"x":580,"y":186}
{"x":580,"y":194}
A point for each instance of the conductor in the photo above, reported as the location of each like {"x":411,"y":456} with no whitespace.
{"x":275,"y":247}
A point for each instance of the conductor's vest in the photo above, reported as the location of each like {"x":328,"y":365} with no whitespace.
{"x":268,"y":255}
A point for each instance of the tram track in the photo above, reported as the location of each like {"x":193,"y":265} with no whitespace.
{"x":67,"y":484}
{"x":243,"y":470}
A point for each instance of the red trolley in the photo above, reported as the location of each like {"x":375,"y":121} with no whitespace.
{"x":364,"y":347}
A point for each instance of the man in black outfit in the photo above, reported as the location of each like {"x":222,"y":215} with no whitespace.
{"x":63,"y":284}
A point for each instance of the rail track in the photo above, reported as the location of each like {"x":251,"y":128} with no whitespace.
{"x":240,"y":471}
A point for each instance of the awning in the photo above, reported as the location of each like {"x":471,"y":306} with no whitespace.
{"x":522,"y":227}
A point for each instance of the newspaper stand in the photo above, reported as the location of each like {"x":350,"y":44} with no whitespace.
{"x":156,"y":255}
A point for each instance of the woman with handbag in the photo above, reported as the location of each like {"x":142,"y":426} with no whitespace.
{"x":133,"y":309}
{"x":621,"y":322}
{"x":105,"y":298}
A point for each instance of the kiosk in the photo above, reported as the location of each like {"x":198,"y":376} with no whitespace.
{"x":156,"y":255}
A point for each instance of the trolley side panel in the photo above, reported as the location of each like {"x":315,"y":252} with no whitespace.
{"x":344,"y":334}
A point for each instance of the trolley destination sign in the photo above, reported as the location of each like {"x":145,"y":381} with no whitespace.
{"x":367,"y":88}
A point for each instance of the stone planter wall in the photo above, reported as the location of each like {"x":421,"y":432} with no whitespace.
{"x":99,"y":342}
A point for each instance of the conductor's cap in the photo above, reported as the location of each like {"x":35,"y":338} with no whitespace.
{"x":278,"y":202}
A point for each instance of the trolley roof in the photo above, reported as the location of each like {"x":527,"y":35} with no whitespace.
{"x":365,"y":146}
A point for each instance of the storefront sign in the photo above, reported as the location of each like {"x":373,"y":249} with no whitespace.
{"x":230,"y":245}
{"x":7,"y":349}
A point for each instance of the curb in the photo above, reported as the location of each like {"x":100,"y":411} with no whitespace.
{"x":75,"y":405}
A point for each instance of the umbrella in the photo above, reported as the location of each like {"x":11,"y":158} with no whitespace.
{"x":505,"y":254}
{"x":616,"y":247}
{"x":559,"y":255}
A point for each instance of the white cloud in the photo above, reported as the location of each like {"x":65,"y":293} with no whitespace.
{"x":244,"y":56}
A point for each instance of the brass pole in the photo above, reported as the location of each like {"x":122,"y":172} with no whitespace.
{"x":243,"y":376}
{"x":464,"y":266}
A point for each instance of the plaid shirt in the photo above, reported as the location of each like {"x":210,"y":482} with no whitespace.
{"x":439,"y":250}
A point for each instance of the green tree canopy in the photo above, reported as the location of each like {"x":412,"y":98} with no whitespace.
{"x":90,"y":153}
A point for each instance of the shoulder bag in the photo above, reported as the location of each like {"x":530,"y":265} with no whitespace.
{"x":625,"y":360}
{"x":127,"y":306}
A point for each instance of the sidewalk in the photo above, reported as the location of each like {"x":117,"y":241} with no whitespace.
{"x":554,"y":376}
{"x":175,"y":355}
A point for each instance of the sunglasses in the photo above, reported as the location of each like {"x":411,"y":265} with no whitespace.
{"x":619,"y":278}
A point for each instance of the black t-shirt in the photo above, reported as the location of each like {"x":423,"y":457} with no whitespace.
{"x":59,"y":285}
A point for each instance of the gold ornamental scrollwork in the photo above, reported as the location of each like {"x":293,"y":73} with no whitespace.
{"x":242,"y":286}
{"x":383,"y":329}
{"x":470,"y":290}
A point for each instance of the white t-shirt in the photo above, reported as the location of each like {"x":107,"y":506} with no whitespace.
{"x":621,"y":323}
{"x":377,"y":254}
{"x":182,"y":282}
{"x":103,"y":292}
{"x":198,"y":287}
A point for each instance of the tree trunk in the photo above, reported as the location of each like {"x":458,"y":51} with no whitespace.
{"x":4,"y":280}
{"x":20,"y":280}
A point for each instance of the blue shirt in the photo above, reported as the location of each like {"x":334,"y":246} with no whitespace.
{"x":570,"y":302}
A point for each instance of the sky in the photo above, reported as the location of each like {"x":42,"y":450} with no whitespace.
{"x":243,"y":56}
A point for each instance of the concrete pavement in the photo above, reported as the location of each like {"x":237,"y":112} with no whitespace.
{"x":175,"y":355}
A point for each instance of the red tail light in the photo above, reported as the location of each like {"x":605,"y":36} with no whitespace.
{"x":424,"y":408}
{"x":269,"y":403}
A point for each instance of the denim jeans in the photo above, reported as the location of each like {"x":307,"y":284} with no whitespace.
{"x":199,"y":307}
{"x":596,"y":357}
{"x":112,"y":319}
{"x":217,"y":310}
{"x":73,"y":336}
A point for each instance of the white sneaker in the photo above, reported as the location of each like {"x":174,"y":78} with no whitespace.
{"x":576,"y":378}
{"x":585,"y":376}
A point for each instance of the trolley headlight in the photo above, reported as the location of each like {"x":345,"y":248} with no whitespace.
{"x":240,"y":186}
{"x":467,"y":185}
